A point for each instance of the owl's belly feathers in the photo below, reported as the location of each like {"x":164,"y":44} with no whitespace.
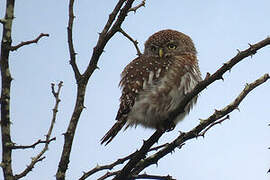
{"x":153,"y":105}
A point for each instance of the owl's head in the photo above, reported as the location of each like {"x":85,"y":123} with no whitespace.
{"x":167,"y":43}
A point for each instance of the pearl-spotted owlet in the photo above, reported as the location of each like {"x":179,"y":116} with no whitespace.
{"x":154,"y":83}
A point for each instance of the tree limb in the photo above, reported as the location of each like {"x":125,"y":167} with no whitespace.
{"x":213,"y":124}
{"x":6,"y":79}
{"x":110,"y":28}
{"x":39,"y":157}
{"x":24,"y":43}
{"x":135,"y":42}
{"x":106,"y":167}
{"x":33,"y":145}
{"x":147,"y":176}
{"x":72,"y":53}
{"x":134,"y":9}
{"x":107,"y":33}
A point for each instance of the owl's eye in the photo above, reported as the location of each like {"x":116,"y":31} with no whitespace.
{"x":172,"y":46}
{"x":153,"y":48}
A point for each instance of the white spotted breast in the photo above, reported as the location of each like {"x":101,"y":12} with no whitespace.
{"x":152,"y":87}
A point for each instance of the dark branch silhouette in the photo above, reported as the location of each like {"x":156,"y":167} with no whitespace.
{"x":33,"y":145}
{"x":24,"y":43}
{"x":39,"y":157}
{"x":111,"y":27}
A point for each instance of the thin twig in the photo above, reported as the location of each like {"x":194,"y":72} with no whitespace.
{"x":135,"y":42}
{"x":158,"y":147}
{"x":134,"y":9}
{"x":106,"y":167}
{"x":24,"y":43}
{"x":39,"y":157}
{"x":147,"y":176}
{"x":183,"y":137}
{"x":33,"y":145}
{"x":108,"y":174}
{"x":213,"y":124}
{"x":72,"y":53}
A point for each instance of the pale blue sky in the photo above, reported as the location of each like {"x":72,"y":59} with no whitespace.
{"x":237,"y":149}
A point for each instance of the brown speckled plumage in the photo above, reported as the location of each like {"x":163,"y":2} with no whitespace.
{"x":154,"y":83}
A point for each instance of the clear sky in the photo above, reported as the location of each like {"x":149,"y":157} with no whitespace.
{"x":236,"y":149}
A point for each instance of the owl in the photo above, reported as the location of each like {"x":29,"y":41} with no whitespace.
{"x":154,"y":83}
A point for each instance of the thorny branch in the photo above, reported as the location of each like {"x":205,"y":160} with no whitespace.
{"x":39,"y":157}
{"x":111,"y":27}
{"x":146,"y":176}
{"x":183,"y":137}
{"x":158,"y":147}
{"x":14,"y":48}
{"x":135,"y":42}
{"x":125,"y":172}
{"x":134,"y":9}
{"x":213,"y":124}
{"x":6,"y":79}
{"x":108,"y":174}
{"x":33,"y":145}
{"x":106,"y":167}
{"x":72,"y":53}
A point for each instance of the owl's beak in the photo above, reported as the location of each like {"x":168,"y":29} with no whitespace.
{"x":160,"y":52}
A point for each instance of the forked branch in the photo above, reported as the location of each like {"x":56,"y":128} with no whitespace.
{"x":135,"y":8}
{"x":33,"y":145}
{"x":135,"y":42}
{"x":39,"y":157}
{"x":111,"y":27}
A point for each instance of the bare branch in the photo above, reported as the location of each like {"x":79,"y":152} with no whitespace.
{"x":158,"y":147}
{"x":6,"y":79}
{"x":107,"y":33}
{"x":106,"y":167}
{"x":24,"y":43}
{"x":134,"y":9}
{"x":213,"y":124}
{"x":147,"y":176}
{"x":39,"y":157}
{"x":135,"y":42}
{"x":183,"y":137}
{"x":125,"y":172}
{"x":108,"y":174}
{"x":33,"y":145}
{"x":111,"y":27}
{"x":72,"y":53}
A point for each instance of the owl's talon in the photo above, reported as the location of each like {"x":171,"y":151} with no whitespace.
{"x":170,"y":127}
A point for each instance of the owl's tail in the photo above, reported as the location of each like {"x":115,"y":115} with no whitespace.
{"x":108,"y":137}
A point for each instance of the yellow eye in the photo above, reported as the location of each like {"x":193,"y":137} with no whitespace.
{"x":172,"y":46}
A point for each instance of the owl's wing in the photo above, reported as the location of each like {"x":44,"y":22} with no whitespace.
{"x":131,"y":83}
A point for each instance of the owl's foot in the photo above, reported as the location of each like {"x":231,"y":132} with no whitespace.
{"x":170,"y":127}
{"x":167,"y":127}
